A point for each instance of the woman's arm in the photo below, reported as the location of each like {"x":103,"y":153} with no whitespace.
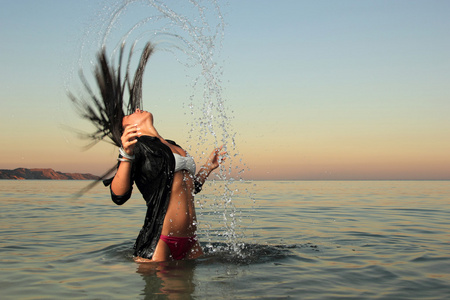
{"x":121,"y":183}
{"x":215,"y":159}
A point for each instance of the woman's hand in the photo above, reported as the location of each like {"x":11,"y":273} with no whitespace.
{"x":216,"y":158}
{"x":130,"y":133}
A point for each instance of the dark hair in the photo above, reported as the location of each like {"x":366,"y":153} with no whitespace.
{"x":106,"y":113}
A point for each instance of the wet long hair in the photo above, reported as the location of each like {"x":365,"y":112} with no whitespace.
{"x":107,"y":110}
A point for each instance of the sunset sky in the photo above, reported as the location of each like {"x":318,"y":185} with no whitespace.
{"x":313,"y":89}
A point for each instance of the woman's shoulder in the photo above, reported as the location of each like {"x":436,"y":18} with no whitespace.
{"x":173,"y":143}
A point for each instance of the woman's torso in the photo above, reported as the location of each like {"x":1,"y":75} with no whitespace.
{"x":180,"y":219}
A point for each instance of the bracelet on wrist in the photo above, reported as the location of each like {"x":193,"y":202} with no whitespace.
{"x":126,"y":155}
{"x":125,"y":159}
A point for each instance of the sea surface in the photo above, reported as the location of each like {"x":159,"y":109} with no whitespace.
{"x":270,"y":240}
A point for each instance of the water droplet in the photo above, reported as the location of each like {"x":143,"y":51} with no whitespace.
{"x":196,"y":42}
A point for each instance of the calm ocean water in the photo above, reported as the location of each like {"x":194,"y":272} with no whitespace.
{"x":274,"y":240}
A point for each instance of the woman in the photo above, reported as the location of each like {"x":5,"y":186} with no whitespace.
{"x":165,"y":175}
{"x":163,"y":172}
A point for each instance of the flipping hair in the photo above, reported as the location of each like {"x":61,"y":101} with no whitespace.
{"x":107,"y":111}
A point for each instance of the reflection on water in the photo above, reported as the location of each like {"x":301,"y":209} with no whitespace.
{"x":172,"y":279}
{"x":366,"y":240}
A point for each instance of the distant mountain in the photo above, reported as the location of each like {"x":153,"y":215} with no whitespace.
{"x":22,"y":173}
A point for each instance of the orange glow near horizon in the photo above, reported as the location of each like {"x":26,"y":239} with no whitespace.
{"x":297,"y":156}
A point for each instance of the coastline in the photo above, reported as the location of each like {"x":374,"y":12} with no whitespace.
{"x":42,"y":174}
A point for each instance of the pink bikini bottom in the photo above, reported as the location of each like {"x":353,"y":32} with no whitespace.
{"x":179,"y":246}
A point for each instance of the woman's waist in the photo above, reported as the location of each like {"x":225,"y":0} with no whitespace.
{"x":180,"y":215}
{"x":176,"y":224}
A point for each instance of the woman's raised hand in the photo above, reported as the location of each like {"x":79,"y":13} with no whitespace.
{"x":130,"y":133}
{"x":216,"y":158}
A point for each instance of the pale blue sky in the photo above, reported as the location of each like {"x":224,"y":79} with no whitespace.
{"x":316,"y":89}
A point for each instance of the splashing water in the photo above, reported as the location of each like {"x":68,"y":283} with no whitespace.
{"x":193,"y":32}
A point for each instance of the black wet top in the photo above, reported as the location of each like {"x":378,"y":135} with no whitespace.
{"x":152,"y":171}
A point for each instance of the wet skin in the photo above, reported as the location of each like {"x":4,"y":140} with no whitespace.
{"x":180,"y":219}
